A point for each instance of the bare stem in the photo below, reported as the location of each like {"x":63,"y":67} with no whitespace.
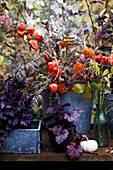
{"x":90,"y":16}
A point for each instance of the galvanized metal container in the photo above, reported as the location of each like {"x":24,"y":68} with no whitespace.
{"x":23,"y":140}
{"x":77,"y":102}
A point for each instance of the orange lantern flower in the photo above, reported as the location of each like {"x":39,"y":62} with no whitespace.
{"x":21,"y":34}
{"x":47,"y":57}
{"x":31,"y":30}
{"x":34,"y":45}
{"x":39,"y":37}
{"x":111,"y":59}
{"x":98,"y":58}
{"x":104,"y":59}
{"x":21,"y":27}
{"x":53,"y":87}
{"x":57,"y":72}
{"x":28,"y":38}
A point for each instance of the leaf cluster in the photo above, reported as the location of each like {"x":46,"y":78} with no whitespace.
{"x":106,"y":31}
{"x":15,"y":109}
{"x":60,"y":121}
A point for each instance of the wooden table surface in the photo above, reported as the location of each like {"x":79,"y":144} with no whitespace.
{"x":48,"y":155}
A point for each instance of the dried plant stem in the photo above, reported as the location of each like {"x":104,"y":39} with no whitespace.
{"x":72,"y":130}
{"x":105,"y":42}
{"x":83,"y":39}
{"x":42,"y":115}
{"x":9,"y":13}
{"x":13,"y":15}
{"x":90,"y":16}
{"x":19,"y":11}
{"x":106,"y":5}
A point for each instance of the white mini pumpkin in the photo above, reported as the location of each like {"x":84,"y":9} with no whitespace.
{"x":89,"y":145}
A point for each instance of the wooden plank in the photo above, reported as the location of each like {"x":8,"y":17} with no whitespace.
{"x":52,"y":156}
{"x":48,"y":155}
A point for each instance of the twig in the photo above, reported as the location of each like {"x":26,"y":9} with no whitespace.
{"x":19,"y":11}
{"x":9,"y":13}
{"x":19,"y":68}
{"x":106,"y":6}
{"x":42,"y":115}
{"x":90,"y":16}
{"x":104,"y":43}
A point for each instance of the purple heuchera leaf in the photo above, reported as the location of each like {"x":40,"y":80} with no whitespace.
{"x":8,"y":106}
{"x":62,"y":136}
{"x":50,"y":110}
{"x":74,"y":151}
{"x":62,"y":106}
{"x":2,"y":105}
{"x":13,"y":122}
{"x":22,"y":122}
{"x":15,"y":106}
{"x":57,"y":129}
{"x":72,"y":115}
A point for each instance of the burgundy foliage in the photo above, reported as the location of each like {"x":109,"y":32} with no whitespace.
{"x":62,"y":136}
{"x":74,"y":151}
{"x":15,"y":110}
{"x":72,"y":115}
{"x":63,"y":120}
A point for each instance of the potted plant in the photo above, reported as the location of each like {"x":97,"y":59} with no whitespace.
{"x":65,"y":60}
{"x":18,"y":131}
{"x":62,"y":131}
{"x":65,"y":68}
{"x":58,"y":86}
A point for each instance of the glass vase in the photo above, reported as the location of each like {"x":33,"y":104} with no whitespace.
{"x":101,"y":126}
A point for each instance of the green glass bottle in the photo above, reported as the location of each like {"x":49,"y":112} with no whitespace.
{"x":101,"y":126}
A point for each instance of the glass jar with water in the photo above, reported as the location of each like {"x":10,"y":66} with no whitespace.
{"x":101,"y":126}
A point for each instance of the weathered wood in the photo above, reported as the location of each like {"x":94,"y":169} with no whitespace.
{"x":48,"y":155}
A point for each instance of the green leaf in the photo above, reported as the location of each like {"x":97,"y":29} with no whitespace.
{"x":105,"y":79}
{"x":78,"y":88}
{"x":2,"y":71}
{"x":1,"y":60}
{"x":105,"y":72}
{"x":9,"y":6}
{"x":40,"y":77}
{"x":110,"y":75}
{"x":91,"y":43}
{"x":111,"y":69}
{"x":97,"y":69}
{"x":87,"y":93}
{"x":89,"y":85}
{"x":95,"y":86}
{"x":44,"y":1}
{"x":107,"y":151}
{"x":36,"y":6}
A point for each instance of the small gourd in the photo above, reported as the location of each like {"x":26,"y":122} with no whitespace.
{"x":89,"y":145}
